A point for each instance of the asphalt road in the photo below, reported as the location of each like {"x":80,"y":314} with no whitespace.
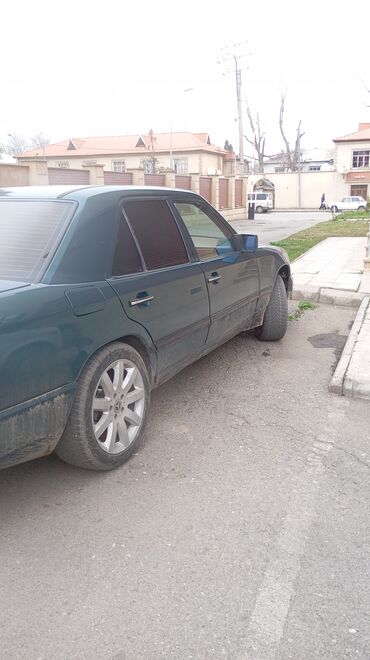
{"x":239,"y":530}
{"x":275,"y":225}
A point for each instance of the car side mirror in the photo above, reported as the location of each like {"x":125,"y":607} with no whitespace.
{"x":246,"y":242}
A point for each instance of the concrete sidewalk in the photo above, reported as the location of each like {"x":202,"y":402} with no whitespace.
{"x":333,"y":272}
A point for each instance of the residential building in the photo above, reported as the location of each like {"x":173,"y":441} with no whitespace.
{"x":185,"y":153}
{"x":312,"y":160}
{"x":352,"y":160}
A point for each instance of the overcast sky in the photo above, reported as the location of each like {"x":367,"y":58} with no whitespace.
{"x":83,"y":68}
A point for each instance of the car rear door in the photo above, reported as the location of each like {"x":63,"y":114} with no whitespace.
{"x":158,"y":285}
{"x":232,"y":277}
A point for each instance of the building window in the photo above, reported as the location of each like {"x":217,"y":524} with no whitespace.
{"x":119,"y":165}
{"x":180,"y":165}
{"x":314,"y":168}
{"x":64,"y":164}
{"x":360,"y":158}
{"x":279,"y":169}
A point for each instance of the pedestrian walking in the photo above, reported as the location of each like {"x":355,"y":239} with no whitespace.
{"x":323,"y":203}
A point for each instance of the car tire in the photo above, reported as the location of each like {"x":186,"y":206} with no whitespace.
{"x":275,"y":321}
{"x":334,"y":209}
{"x":361,"y":208}
{"x":259,"y":209}
{"x":109,"y":412}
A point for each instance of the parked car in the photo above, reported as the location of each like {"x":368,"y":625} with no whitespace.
{"x":106,"y":292}
{"x":349,"y":204}
{"x":262,"y":201}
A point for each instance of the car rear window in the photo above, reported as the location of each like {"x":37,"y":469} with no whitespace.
{"x":29,"y":231}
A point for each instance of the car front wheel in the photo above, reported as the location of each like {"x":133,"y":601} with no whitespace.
{"x":109,"y":412}
{"x":259,"y":209}
{"x":275,"y":321}
{"x":334,"y":209}
{"x":361,"y":208}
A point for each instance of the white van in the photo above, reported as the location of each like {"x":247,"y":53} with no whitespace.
{"x":262,"y":201}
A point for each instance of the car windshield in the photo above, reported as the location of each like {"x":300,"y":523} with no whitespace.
{"x":29,"y":231}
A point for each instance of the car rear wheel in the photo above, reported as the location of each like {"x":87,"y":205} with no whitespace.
{"x":361,"y":208}
{"x":109,"y":411}
{"x":275,"y":322}
{"x":334,"y":209}
{"x":259,"y":209}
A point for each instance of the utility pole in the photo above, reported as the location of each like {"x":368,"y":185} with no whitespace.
{"x":238,"y":80}
{"x":227,"y":55}
{"x":299,"y":164}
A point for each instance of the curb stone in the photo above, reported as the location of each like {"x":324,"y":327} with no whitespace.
{"x":339,"y":383}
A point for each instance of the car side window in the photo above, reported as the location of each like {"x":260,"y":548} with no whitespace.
{"x":126,"y":258}
{"x":156,"y":232}
{"x":209,"y":239}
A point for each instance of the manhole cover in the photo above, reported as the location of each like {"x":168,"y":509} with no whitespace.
{"x":328,"y":340}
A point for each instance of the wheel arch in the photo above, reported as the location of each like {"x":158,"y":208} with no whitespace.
{"x":143,"y":350}
{"x":284,"y":272}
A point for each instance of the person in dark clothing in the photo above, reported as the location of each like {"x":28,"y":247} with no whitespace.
{"x":323,"y":203}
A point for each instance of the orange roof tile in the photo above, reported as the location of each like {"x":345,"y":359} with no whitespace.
{"x":359,"y":136}
{"x":126,"y":144}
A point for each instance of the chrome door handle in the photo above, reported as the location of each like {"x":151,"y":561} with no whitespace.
{"x":214,"y":278}
{"x":140,"y":301}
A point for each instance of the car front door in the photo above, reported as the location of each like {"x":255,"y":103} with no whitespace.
{"x":159,"y":287}
{"x":232,"y":277}
{"x":346,"y":204}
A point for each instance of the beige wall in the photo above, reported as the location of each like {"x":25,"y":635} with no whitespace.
{"x":198,"y":162}
{"x":13,"y":175}
{"x":313,"y":184}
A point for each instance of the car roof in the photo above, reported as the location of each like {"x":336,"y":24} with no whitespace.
{"x":64,"y":191}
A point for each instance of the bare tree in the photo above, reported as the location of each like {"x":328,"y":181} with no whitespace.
{"x":258,"y":140}
{"x":39,"y":141}
{"x":15,"y":145}
{"x":292,"y":158}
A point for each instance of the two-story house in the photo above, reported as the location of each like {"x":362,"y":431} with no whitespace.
{"x":353,"y":160}
{"x":185,"y":153}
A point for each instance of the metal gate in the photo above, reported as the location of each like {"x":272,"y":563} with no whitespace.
{"x":359,"y":190}
{"x":238,"y":193}
{"x":117,"y":178}
{"x":205,"y":187}
{"x":224,"y":193}
{"x":155,"y":179}
{"x":65,"y":175}
{"x":183,"y":181}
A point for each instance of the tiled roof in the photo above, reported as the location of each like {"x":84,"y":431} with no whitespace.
{"x":359,"y":136}
{"x":126,"y":144}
